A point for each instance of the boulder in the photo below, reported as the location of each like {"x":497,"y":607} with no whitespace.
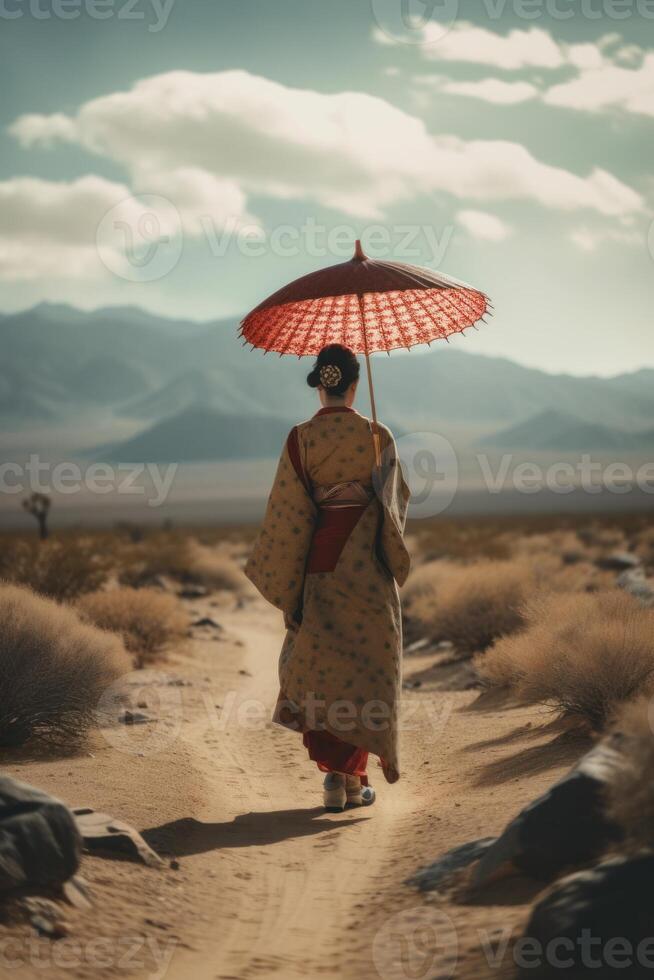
{"x":565,"y":827}
{"x":636,"y":584}
{"x":618,"y":562}
{"x":39,"y":842}
{"x":441,"y":871}
{"x":103,"y":833}
{"x":597,"y":923}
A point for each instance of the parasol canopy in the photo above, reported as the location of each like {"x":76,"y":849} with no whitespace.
{"x":367,"y":305}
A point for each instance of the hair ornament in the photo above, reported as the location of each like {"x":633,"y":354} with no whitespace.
{"x":330,"y":375}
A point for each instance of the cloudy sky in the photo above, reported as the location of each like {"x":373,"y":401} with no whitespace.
{"x":190,"y":156}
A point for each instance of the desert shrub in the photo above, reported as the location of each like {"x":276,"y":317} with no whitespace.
{"x":53,"y":668}
{"x":423,"y":583}
{"x":459,"y":539}
{"x":147,"y":620}
{"x":183,"y":559}
{"x":215,"y":569}
{"x":599,"y":540}
{"x":473,"y":605}
{"x":502,"y":665}
{"x":551,"y":573}
{"x":61,"y":568}
{"x":581,"y":653}
{"x":644,"y":546}
{"x":631,"y":786}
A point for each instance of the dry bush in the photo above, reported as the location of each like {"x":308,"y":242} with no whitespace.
{"x":61,"y":568}
{"x":583,"y":654}
{"x":147,"y":620}
{"x":183,"y":559}
{"x":631,"y":787}
{"x":473,"y":605}
{"x":552,"y":574}
{"x":559,"y":563}
{"x":561,"y":544}
{"x":423,"y":583}
{"x":459,"y":539}
{"x":503,"y":664}
{"x":53,"y":668}
{"x":602,"y":540}
{"x":644,"y":546}
{"x":215,"y":569}
{"x":157,"y":555}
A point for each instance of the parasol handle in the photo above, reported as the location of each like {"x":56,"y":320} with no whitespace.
{"x":376,"y":441}
{"x":375,"y":428}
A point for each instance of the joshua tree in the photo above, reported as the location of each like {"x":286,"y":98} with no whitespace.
{"x":38,"y":505}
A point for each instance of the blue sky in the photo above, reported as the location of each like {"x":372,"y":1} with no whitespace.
{"x":189,"y":156}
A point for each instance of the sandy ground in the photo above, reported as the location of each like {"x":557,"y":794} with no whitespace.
{"x":263,"y":883}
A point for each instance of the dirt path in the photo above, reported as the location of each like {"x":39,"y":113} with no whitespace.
{"x":268,"y":885}
{"x":299,"y":872}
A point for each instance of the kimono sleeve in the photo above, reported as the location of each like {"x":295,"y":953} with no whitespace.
{"x":394,"y":494}
{"x":276,"y":565}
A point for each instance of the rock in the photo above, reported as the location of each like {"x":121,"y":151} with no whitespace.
{"x":207,"y":621}
{"x":129,"y":717}
{"x":598,"y":922}
{"x":51,"y":928}
{"x":100,"y":832}
{"x":77,"y":893}
{"x":39,"y":842}
{"x":192,"y":592}
{"x":45,"y":917}
{"x":618,"y":562}
{"x":434,"y":875}
{"x":564,"y":827}
{"x":418,"y":645}
{"x":410,"y":685}
{"x":636,"y":584}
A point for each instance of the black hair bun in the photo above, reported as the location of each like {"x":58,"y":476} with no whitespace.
{"x":335,"y":370}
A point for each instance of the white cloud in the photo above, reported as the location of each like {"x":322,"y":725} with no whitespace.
{"x":607,"y":74}
{"x":487,"y":227}
{"x":589,"y":240}
{"x":493,"y":90}
{"x":608,"y":87}
{"x":584,"y":56}
{"x":49,"y":227}
{"x":207,"y":140}
{"x":465,"y":42}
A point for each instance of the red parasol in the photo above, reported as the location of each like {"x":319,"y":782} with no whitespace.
{"x":368,"y":306}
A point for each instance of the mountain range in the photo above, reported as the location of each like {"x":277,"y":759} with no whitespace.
{"x":193,"y":392}
{"x":553,"y":431}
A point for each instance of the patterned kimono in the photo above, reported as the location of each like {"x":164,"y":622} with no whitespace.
{"x":331,"y":555}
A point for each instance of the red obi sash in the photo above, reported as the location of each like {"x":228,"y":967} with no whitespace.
{"x":340,"y":506}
